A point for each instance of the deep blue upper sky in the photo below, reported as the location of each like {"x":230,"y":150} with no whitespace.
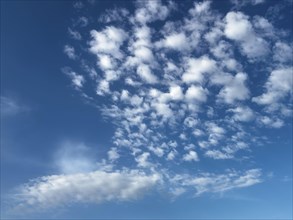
{"x":151,"y":109}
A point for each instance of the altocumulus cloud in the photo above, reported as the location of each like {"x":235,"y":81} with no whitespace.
{"x":178,"y":91}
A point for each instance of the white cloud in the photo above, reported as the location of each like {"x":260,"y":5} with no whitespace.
{"x":149,"y":11}
{"x":106,"y":62}
{"x":196,"y":93}
{"x":108,"y":41}
{"x":175,"y":92}
{"x":278,"y":86}
{"x":159,"y":81}
{"x":216,"y":154}
{"x":235,"y":89}
{"x":239,"y":28}
{"x":171,"y":155}
{"x":70,"y":52}
{"x":145,"y":73}
{"x":271,"y":122}
{"x":218,"y":183}
{"x":93,"y":187}
{"x":200,"y":8}
{"x":77,"y":79}
{"x":144,"y":54}
{"x":113,"y":154}
{"x":242,"y":113}
{"x":112,"y":15}
{"x":176,"y":41}
{"x":191,"y":156}
{"x":142,"y":160}
{"x":103,"y":87}
{"x":196,"y":68}
{"x":282,"y":52}
{"x":163,"y":109}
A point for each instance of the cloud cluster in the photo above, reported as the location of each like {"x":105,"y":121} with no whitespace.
{"x":177,"y":91}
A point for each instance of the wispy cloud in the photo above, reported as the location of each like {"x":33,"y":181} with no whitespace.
{"x":12,"y":107}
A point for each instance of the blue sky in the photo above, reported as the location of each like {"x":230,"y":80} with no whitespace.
{"x":146,"y":109}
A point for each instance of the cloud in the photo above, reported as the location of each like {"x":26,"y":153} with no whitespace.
{"x":216,"y":154}
{"x":197,"y":68}
{"x":149,"y":11}
{"x":11,"y":107}
{"x":112,"y":15}
{"x":73,"y":158}
{"x":108,"y":41}
{"x":176,"y":41}
{"x":242,"y":113}
{"x":181,"y":86}
{"x":239,"y":28}
{"x":191,"y":156}
{"x":76,"y":79}
{"x":113,"y":154}
{"x":242,"y":3}
{"x":145,"y":73}
{"x":74,"y":34}
{"x":207,"y":183}
{"x":235,"y":89}
{"x":93,"y":187}
{"x":70,"y":52}
{"x":278,"y":86}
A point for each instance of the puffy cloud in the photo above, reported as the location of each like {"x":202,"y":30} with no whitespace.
{"x":145,"y":73}
{"x":176,"y":41}
{"x":103,"y":87}
{"x":270,"y":122}
{"x":196,"y":93}
{"x":235,"y":89}
{"x":144,"y":54}
{"x":77,"y":79}
{"x":197,"y":68}
{"x":106,"y":62}
{"x":149,"y":11}
{"x":142,"y":160}
{"x":108,"y":41}
{"x":242,"y":113}
{"x":239,"y":28}
{"x":176,"y":92}
{"x":191,"y":156}
{"x":278,"y":86}
{"x":113,"y":154}
{"x":200,"y":8}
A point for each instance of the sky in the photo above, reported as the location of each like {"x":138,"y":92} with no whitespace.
{"x":146,"y":109}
